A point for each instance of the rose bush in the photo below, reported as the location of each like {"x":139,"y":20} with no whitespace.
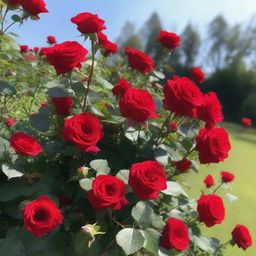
{"x":93,"y":157}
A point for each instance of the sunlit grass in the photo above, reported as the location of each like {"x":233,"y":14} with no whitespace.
{"x":242,"y":163}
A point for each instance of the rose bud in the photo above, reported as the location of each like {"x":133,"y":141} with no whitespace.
{"x":209,"y":181}
{"x":197,"y":74}
{"x":227,"y":176}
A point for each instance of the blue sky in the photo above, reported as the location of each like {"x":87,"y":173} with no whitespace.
{"x":174,"y":14}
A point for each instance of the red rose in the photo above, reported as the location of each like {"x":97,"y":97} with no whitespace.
{"x":182,"y":96}
{"x":209,"y":181}
{"x":63,"y":105}
{"x":88,"y":23}
{"x":43,"y":104}
{"x":210,"y":209}
{"x":169,"y":40}
{"x":108,"y":46}
{"x":175,"y":235}
{"x":10,"y":121}
{"x":34,"y":7}
{"x":197,"y":74}
{"x":137,"y":105}
{"x":41,"y":216}
{"x":210,"y":110}
{"x":84,"y":130}
{"x":24,"y":48}
{"x":42,"y":50}
{"x":36,"y":49}
{"x":14,"y":2}
{"x":25,"y":144}
{"x":51,"y":40}
{"x":29,"y":58}
{"x":65,"y":56}
{"x":246,"y":122}
{"x":121,"y":87}
{"x":241,"y":236}
{"x":213,"y":145}
{"x":183,"y":165}
{"x":173,"y":126}
{"x":227,"y":176}
{"x":139,"y":60}
{"x":107,"y":192}
{"x":147,"y":179}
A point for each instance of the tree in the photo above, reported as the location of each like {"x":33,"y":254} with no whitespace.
{"x":128,"y":37}
{"x":190,"y":45}
{"x":150,"y":31}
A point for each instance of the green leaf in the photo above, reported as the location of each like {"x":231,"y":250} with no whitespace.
{"x":164,"y":252}
{"x":7,"y":89}
{"x":158,"y":221}
{"x":16,"y":17}
{"x":161,"y":156}
{"x":123,"y":175}
{"x":100,"y":166}
{"x":81,"y":246}
{"x":58,"y":92}
{"x":11,"y":170}
{"x":40,"y":122}
{"x":4,"y":145}
{"x":44,"y":110}
{"x":85,"y":184}
{"x":231,"y":198}
{"x":11,"y":244}
{"x":78,"y":88}
{"x":105,"y":83}
{"x":174,"y":189}
{"x":143,"y":214}
{"x":158,"y":74}
{"x":203,"y":243}
{"x":151,"y":240}
{"x":130,"y":240}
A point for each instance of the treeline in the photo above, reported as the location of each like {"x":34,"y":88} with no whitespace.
{"x":226,"y":53}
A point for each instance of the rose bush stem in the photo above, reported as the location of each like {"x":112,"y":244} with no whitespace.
{"x":215,"y":190}
{"x":8,"y":27}
{"x":3,"y":19}
{"x":70,"y":83}
{"x":221,"y":246}
{"x":90,"y":76}
{"x":161,"y":129}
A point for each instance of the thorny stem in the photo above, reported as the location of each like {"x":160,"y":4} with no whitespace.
{"x":8,"y":27}
{"x":215,"y":190}
{"x":78,"y":101}
{"x":3,"y":19}
{"x":162,"y":127}
{"x":218,"y":249}
{"x":90,"y":76}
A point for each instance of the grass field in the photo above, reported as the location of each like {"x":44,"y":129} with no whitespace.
{"x":242,"y":163}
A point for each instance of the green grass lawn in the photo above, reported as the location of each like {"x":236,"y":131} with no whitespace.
{"x":242,"y":163}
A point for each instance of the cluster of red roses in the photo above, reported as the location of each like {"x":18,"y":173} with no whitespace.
{"x":32,"y":7}
{"x":147,"y":179}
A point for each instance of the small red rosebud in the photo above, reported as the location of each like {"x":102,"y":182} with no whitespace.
{"x":227,"y":176}
{"x":173,"y":126}
{"x":183,"y":165}
{"x":51,"y":40}
{"x":198,"y":75}
{"x":43,"y":104}
{"x":209,"y":181}
{"x":246,"y":122}
{"x":10,"y":121}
